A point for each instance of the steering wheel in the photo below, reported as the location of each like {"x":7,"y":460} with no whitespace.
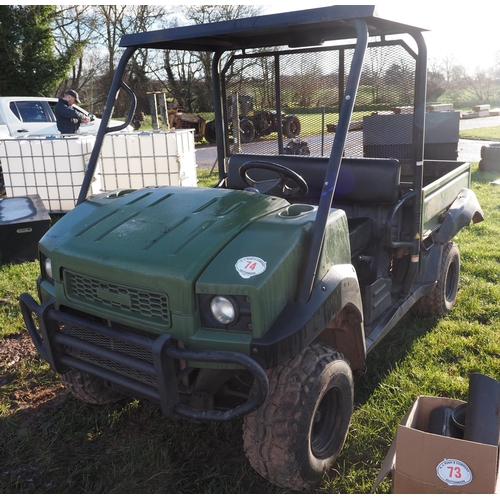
{"x":268,"y":185}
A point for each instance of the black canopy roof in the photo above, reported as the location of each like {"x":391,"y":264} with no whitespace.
{"x":305,"y":27}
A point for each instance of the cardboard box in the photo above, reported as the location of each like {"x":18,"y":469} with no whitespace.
{"x":422,"y":462}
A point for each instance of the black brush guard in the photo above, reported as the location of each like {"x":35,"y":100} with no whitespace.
{"x":53,"y":345}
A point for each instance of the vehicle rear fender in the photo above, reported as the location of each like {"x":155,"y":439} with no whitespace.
{"x":464,"y":210}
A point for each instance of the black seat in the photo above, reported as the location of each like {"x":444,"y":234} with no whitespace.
{"x":367,"y":189}
{"x":361,"y":180}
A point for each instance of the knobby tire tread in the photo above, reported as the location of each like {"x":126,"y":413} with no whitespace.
{"x":433,"y":305}
{"x":89,"y":388}
{"x":268,"y":432}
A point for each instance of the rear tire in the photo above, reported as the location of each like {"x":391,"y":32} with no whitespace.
{"x":210,"y":132}
{"x":490,"y":158}
{"x":247,"y":131}
{"x":89,"y":388}
{"x":291,"y":126}
{"x":442,"y":299}
{"x":299,"y":431}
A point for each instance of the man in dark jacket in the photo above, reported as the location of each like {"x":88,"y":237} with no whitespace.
{"x":69,"y":119}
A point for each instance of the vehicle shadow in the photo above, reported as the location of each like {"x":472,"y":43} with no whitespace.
{"x":64,"y":445}
{"x":391,"y":350}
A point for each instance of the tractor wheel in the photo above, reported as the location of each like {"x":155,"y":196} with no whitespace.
{"x":490,"y":158}
{"x":291,"y":126}
{"x":247,"y":131}
{"x":210,"y":131}
{"x":297,"y":434}
{"x":89,"y":388}
{"x":441,"y":300}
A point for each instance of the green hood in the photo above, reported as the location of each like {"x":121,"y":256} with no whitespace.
{"x":155,"y":238}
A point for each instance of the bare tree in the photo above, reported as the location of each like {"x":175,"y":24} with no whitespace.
{"x":377,"y":61}
{"x":96,"y":32}
{"x":114,"y":22}
{"x":189,"y":75}
{"x":447,"y":66}
{"x":306,"y":80}
{"x":479,"y":86}
{"x":73,"y":28}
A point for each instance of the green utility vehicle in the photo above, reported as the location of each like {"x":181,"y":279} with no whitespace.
{"x":260,"y":298}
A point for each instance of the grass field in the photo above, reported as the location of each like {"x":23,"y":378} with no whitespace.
{"x":310,"y":123}
{"x":52,"y":443}
{"x":481,"y":134}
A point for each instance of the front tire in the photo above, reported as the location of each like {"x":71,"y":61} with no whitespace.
{"x":299,"y":431}
{"x":442,"y":299}
{"x":89,"y":388}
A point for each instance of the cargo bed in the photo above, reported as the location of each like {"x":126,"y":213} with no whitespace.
{"x":442,"y":182}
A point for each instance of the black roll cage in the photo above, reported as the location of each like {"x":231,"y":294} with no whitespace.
{"x":310,"y":27}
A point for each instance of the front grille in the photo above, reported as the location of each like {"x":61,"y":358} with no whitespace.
{"x":151,"y":305}
{"x":96,"y":338}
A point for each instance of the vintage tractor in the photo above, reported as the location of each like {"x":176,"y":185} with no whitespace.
{"x":255,"y":123}
{"x":180,"y":118}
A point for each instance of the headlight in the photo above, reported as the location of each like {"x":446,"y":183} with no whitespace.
{"x":47,"y":265}
{"x":223,"y":310}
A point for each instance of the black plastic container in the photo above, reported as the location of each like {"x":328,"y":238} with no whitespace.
{"x":23,"y":221}
{"x":441,"y":422}
{"x":482,"y":423}
{"x":458,"y":416}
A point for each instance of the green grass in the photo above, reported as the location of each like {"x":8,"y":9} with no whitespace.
{"x":52,"y":443}
{"x":15,"y":279}
{"x":207,"y":178}
{"x":482,"y":134}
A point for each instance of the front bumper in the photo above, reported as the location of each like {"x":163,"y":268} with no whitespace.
{"x":142,"y":366}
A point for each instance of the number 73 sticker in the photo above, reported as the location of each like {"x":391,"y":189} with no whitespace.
{"x":250,"y":266}
{"x":454,"y":472}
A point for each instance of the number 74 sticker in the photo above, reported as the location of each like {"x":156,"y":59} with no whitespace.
{"x":250,"y":266}
{"x":454,"y":472}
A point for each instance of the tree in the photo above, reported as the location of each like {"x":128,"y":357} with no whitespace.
{"x":436,"y":85}
{"x":399,"y":82}
{"x":74,"y":27}
{"x":28,"y":60}
{"x":306,"y":81}
{"x":377,"y":62}
{"x":496,"y":70}
{"x":97,"y":30}
{"x":478,"y":87}
{"x":189,"y":75}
